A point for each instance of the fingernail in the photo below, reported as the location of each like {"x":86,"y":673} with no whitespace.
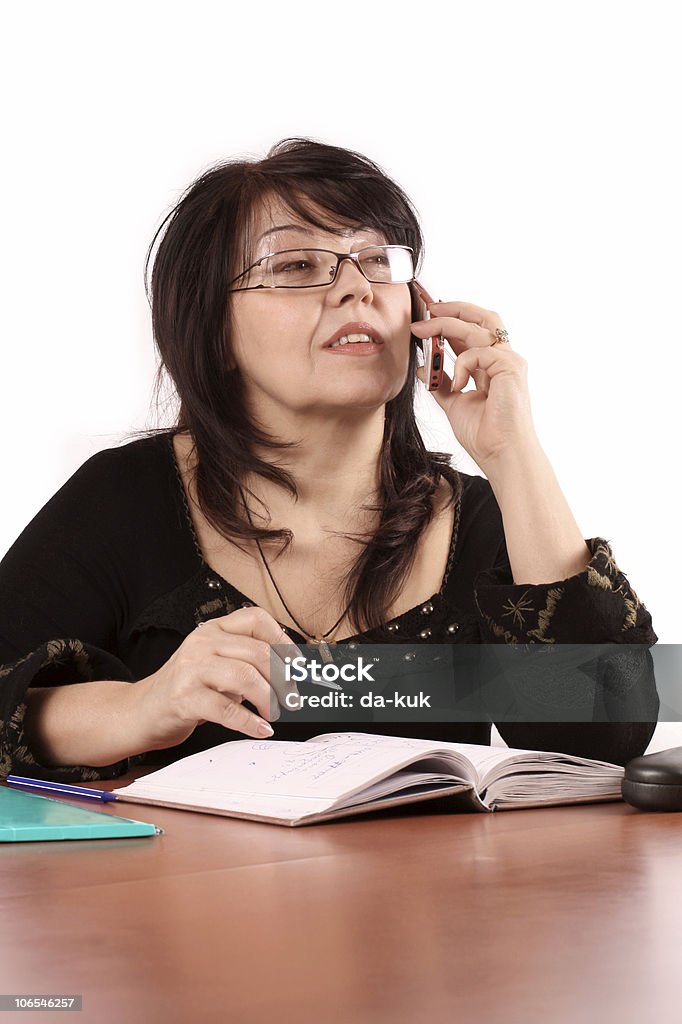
{"x":263,"y":729}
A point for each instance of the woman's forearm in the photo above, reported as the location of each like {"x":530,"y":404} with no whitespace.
{"x":544,"y":542}
{"x":81,"y":724}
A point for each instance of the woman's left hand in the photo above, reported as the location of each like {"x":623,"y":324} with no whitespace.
{"x":496,"y":417}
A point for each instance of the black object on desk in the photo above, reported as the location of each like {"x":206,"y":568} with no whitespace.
{"x":653,"y":782}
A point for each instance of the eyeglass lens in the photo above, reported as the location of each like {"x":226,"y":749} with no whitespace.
{"x":299,"y":268}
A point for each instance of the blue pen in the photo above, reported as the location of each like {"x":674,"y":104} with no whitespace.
{"x":58,"y":787}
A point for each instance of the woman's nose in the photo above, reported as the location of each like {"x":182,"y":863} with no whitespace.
{"x":349,"y":275}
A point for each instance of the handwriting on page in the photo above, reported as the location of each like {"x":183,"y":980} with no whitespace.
{"x":325,"y":767}
{"x":314,"y":761}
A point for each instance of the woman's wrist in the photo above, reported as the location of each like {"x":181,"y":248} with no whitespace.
{"x":544,"y":542}
{"x":526,"y":458}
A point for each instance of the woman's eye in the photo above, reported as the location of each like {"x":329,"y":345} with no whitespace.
{"x":377,"y":257}
{"x":296,"y":264}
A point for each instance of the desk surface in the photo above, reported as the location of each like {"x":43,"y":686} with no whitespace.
{"x":557,"y":914}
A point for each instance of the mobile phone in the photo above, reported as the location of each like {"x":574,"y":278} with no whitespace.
{"x":433,"y":348}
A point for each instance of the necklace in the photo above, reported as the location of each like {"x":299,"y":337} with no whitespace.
{"x":323,"y":645}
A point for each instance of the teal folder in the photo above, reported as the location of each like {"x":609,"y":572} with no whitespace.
{"x":27,"y":816}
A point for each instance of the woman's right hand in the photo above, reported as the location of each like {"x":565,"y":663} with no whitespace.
{"x":214,"y":669}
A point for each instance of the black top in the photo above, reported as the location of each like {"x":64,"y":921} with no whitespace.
{"x":108,"y":579}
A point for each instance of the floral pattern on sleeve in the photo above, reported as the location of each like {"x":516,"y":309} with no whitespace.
{"x":597,"y":605}
{"x":55,"y":662}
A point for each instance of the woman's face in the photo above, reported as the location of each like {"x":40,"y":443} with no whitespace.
{"x":279,"y":334}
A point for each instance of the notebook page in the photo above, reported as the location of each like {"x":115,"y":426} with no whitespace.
{"x":554,"y":778}
{"x":291,"y":808}
{"x":488,"y":761}
{"x":258,"y":805}
{"x":510,"y":776}
{"x":345,"y":763}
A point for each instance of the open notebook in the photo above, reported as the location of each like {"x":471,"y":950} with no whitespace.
{"x":339,"y":774}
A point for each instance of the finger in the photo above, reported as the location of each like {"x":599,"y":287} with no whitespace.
{"x":255,"y":622}
{"x":213,"y":706}
{"x":459,"y":334}
{"x":480,"y":377}
{"x":469,"y":313}
{"x":481,"y":380}
{"x":282,"y":687}
{"x":259,"y":624}
{"x":473,"y":325}
{"x":445,"y":384}
{"x":240,"y":680}
{"x":264,"y":657}
{"x":492,"y":359}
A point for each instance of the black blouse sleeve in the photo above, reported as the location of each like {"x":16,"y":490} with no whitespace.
{"x":595,"y":606}
{"x":54,"y":663}
{"x":61,"y":595}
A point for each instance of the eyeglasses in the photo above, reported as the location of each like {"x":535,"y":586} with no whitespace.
{"x":311,"y":268}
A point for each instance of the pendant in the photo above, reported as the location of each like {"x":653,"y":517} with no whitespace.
{"x":323,"y":648}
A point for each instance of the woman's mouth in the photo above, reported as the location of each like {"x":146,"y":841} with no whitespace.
{"x":355,"y":344}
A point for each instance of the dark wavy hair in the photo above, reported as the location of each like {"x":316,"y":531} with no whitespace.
{"x":206,"y":243}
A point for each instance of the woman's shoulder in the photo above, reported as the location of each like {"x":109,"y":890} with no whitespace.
{"x":112,"y":488}
{"x":472,"y":483}
{"x":476,"y":490}
{"x":146,"y":451}
{"x":480,"y":530}
{"x":476,"y":496}
{"x":128,"y":471}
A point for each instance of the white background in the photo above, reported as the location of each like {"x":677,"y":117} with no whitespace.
{"x":538,"y":141}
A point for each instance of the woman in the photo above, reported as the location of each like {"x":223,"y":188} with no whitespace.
{"x":294,"y":501}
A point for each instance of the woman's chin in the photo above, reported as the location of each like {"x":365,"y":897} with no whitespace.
{"x":361,"y":389}
{"x":362,"y":396}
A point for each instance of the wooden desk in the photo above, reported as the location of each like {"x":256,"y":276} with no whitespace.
{"x":557,"y":915}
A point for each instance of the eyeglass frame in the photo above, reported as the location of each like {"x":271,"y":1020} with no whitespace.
{"x":354,"y":256}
